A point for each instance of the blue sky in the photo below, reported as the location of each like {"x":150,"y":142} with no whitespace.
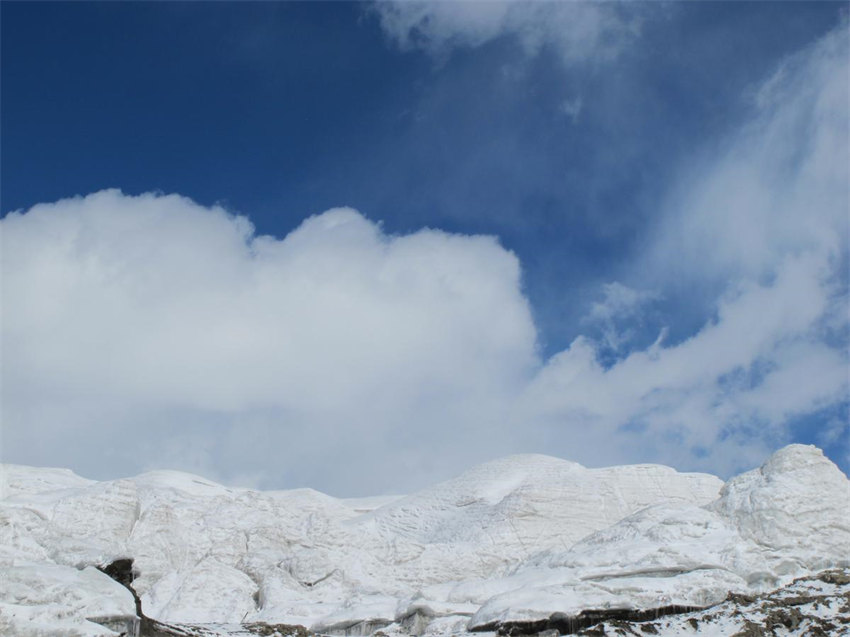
{"x":624,"y":155}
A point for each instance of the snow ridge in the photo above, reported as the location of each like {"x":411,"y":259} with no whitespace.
{"x":510,"y":541}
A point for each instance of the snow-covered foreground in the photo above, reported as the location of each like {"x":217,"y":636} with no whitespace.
{"x":816,"y":606}
{"x":505,"y":546}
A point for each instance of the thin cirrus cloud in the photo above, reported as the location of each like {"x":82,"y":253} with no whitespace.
{"x":576,"y":31}
{"x":149,"y":331}
{"x":776,"y":188}
{"x":620,"y":306}
{"x":763,"y":218}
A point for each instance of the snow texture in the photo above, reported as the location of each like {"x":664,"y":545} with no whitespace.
{"x":511,"y":541}
{"x":815,"y":606}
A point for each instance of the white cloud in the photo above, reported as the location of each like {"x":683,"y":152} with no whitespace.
{"x":572,"y":108}
{"x":744,"y":375}
{"x":576,"y":31}
{"x":778,"y":187}
{"x":160,"y":304}
{"x":766,"y":218}
{"x":120,"y":288}
{"x":619,"y":305}
{"x":145,"y":331}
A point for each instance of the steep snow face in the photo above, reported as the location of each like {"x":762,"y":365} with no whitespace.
{"x":485,"y":521}
{"x":776,"y":504}
{"x":788,"y":518}
{"x":527,"y":499}
{"x":512,"y":540}
{"x":39,"y":598}
{"x":664,"y":555}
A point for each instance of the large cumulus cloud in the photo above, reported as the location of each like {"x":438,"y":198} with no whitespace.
{"x":157,"y":305}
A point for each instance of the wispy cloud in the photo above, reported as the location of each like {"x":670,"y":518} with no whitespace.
{"x":776,"y":188}
{"x":737,"y":382}
{"x":576,"y":31}
{"x":764,"y":219}
{"x":572,"y":108}
{"x":620,"y":307}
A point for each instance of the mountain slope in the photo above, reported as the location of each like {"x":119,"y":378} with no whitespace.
{"x":508,"y":542}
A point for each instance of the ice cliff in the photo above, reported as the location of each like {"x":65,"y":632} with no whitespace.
{"x":510,"y":543}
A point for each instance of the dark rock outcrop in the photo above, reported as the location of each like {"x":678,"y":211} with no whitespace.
{"x":571,"y":624}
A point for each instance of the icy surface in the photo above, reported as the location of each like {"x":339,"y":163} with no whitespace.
{"x":48,"y":599}
{"x":812,"y":606}
{"x":514,"y":540}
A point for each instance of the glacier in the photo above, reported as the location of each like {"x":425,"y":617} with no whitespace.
{"x":523,"y":544}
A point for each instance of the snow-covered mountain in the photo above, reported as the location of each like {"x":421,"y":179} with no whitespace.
{"x":505,"y":546}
